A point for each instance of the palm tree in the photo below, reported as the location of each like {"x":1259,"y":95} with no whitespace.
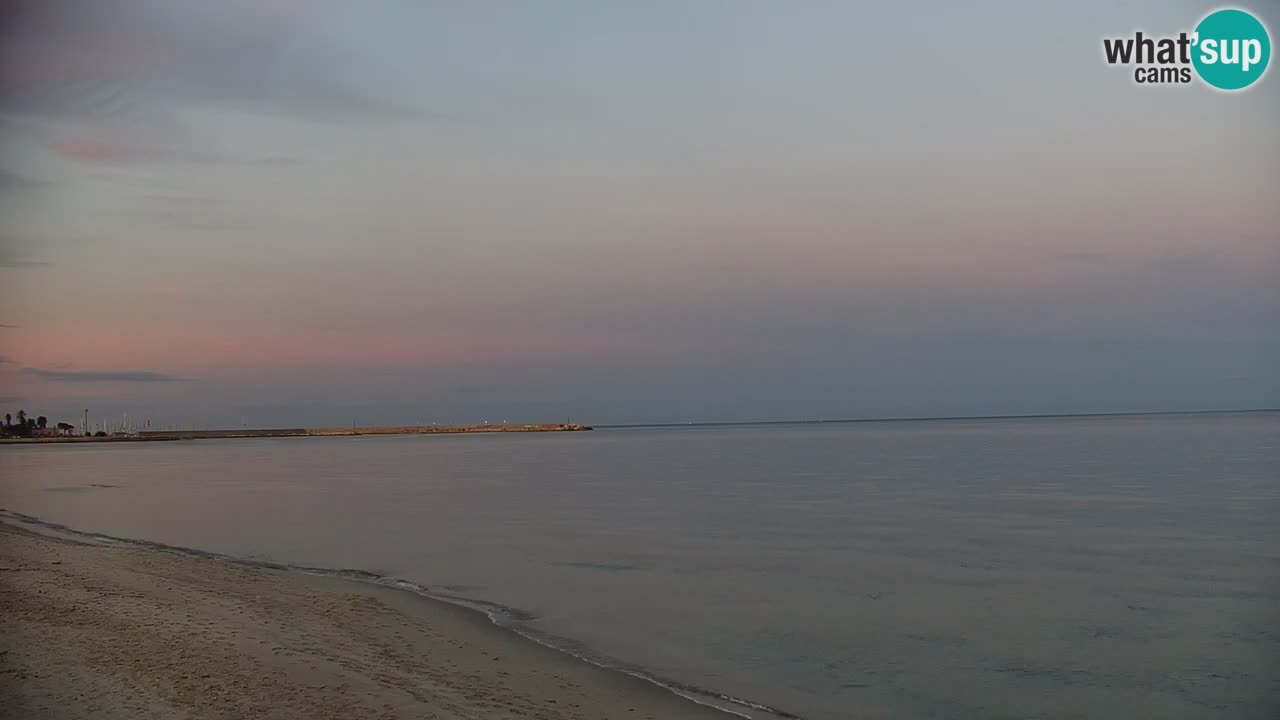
{"x":22,"y":417}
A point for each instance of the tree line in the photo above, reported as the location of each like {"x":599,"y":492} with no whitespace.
{"x":28,"y":425}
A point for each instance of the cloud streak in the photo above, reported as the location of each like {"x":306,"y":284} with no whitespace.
{"x":15,"y":182}
{"x":108,"y":81}
{"x":12,"y":260}
{"x":133,"y":376}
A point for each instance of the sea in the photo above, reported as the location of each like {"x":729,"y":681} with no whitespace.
{"x":1057,"y":567}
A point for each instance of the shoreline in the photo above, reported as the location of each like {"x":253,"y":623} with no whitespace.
{"x":173,"y":435}
{"x":599,"y":689}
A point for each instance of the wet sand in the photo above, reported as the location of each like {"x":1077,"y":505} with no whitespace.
{"x":92,"y":631}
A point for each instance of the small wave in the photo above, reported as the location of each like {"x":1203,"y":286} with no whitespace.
{"x":510,"y":618}
{"x":611,"y":567}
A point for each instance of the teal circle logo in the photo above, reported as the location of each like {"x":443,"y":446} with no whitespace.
{"x":1231,"y":49}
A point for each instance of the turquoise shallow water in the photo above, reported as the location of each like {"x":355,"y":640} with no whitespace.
{"x":1047,"y":568}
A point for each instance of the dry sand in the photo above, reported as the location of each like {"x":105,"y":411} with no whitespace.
{"x":109,"y":632}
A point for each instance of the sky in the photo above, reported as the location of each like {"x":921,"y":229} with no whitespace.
{"x":302,"y":213}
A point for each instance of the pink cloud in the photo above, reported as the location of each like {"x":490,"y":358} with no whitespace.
{"x":97,"y":150}
{"x":58,"y":41}
{"x":110,"y":144}
{"x":61,"y":58}
{"x":198,"y":354}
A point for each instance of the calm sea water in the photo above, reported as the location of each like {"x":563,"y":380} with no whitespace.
{"x":1052,"y":568}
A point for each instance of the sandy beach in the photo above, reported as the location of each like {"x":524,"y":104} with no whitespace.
{"x":122,"y":632}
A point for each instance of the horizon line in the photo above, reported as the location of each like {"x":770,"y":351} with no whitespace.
{"x":927,"y":418}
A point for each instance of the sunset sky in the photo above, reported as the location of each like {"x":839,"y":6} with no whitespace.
{"x":308,"y":212}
